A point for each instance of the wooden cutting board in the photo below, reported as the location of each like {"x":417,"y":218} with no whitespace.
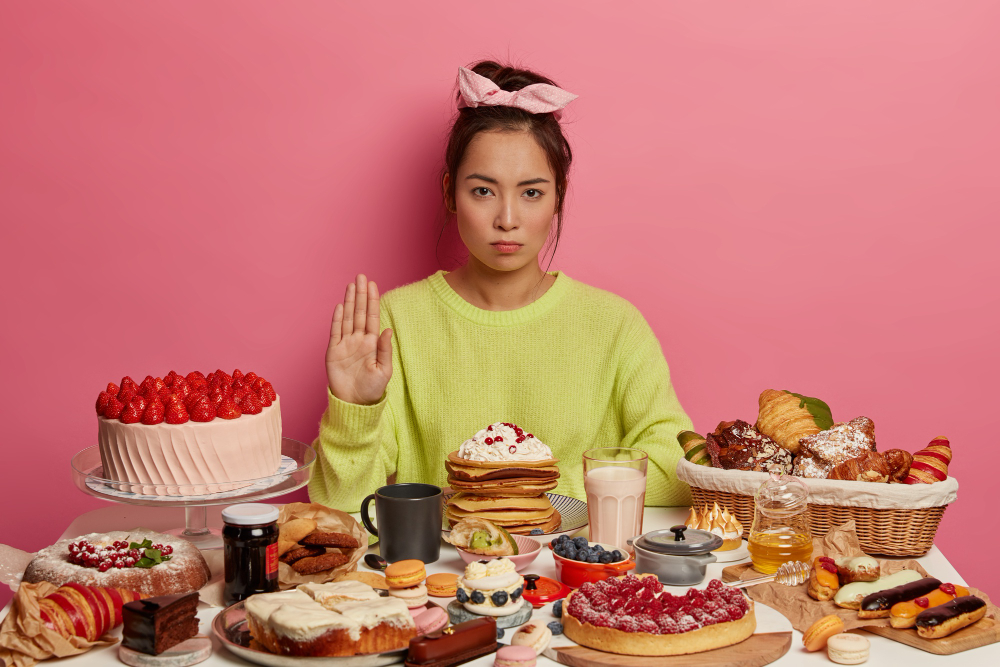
{"x":986,"y":631}
{"x":758,"y":650}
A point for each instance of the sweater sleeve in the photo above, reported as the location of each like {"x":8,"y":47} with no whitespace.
{"x":356,"y":450}
{"x":651,"y":414}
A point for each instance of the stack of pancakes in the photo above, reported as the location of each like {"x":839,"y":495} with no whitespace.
{"x":507,"y":493}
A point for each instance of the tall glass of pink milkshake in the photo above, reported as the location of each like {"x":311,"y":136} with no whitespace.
{"x":615,"y":480}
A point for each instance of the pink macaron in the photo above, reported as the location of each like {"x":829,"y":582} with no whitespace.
{"x":430,"y":619}
{"x":515,"y":656}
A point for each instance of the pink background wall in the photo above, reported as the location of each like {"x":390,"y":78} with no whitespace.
{"x":796,"y":195}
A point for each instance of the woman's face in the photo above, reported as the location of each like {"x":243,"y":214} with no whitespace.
{"x":505,"y":199}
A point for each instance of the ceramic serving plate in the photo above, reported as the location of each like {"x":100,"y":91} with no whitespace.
{"x":230,"y":627}
{"x":572,"y":511}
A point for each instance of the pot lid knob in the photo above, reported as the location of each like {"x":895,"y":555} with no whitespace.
{"x":678,"y":532}
{"x":530,"y":580}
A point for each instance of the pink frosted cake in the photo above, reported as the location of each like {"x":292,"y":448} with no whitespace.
{"x":189,"y":435}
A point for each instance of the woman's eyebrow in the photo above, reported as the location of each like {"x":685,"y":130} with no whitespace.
{"x":533,"y":181}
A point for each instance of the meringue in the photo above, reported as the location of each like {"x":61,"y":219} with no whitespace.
{"x":718,"y":521}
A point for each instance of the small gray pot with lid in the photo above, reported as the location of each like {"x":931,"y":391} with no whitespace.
{"x":678,"y":556}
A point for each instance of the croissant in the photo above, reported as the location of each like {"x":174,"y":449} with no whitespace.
{"x":930,"y":464}
{"x":693,"y":445}
{"x":899,"y":462}
{"x":869,"y":467}
{"x":786,"y":417}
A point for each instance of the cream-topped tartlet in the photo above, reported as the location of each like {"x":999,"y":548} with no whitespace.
{"x":491,"y":588}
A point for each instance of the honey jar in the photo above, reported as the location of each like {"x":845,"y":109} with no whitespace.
{"x":780,"y":531}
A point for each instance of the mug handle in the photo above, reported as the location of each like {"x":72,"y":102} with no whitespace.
{"x":364,"y":515}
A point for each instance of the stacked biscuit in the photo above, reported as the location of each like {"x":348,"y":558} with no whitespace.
{"x":310,"y":551}
{"x":501,"y":475}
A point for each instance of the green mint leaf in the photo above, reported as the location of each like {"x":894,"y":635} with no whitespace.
{"x":145,"y":562}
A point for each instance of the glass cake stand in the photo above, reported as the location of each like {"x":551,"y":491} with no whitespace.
{"x":297,"y":459}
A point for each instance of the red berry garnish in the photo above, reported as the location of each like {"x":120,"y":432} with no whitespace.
{"x":102,"y":402}
{"x":104,"y":567}
{"x":228,"y":409}
{"x":922,"y":602}
{"x":250,"y":378}
{"x":154,"y":413}
{"x":126,"y":394}
{"x":264,"y":399}
{"x":947,"y":588}
{"x":529,"y":436}
{"x":119,"y":564}
{"x":177,"y":414}
{"x":166,"y":550}
{"x":112,"y":389}
{"x":90,"y":548}
{"x":158,"y":547}
{"x":829,"y":567}
{"x":203,"y":410}
{"x":498,"y":439}
{"x":237,"y":375}
{"x":250,"y":404}
{"x":490,"y":427}
{"x":512,"y":449}
{"x":519,"y":440}
{"x":129,"y":383}
{"x":489,"y":441}
{"x":827,"y":559}
{"x":129,"y":562}
{"x":270,"y":391}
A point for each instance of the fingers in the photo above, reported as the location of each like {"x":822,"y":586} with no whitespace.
{"x":348,"y":320}
{"x":383,"y":351}
{"x":360,"y":302}
{"x":372,"y":321}
{"x":338,"y":321}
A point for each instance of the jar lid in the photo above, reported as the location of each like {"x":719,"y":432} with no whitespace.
{"x":781,"y":495}
{"x":539,"y":591}
{"x":250,"y":514}
{"x":679,"y":541}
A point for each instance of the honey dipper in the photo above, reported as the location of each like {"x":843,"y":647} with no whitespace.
{"x":792,"y":573}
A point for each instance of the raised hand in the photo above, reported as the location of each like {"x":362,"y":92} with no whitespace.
{"x":358,"y":360}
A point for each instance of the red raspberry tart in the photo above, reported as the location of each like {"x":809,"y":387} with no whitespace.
{"x":189,"y":434}
{"x":632,"y":615}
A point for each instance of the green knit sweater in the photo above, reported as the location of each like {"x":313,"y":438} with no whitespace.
{"x":579,"y":368}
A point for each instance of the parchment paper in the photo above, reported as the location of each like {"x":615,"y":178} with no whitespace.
{"x":794,"y":602}
{"x":24,"y":639}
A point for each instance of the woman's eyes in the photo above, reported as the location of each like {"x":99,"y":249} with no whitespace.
{"x":531,"y":193}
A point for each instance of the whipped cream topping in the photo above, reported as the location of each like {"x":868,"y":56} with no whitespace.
{"x":332,"y":593}
{"x":504,"y":441}
{"x":491,"y":576}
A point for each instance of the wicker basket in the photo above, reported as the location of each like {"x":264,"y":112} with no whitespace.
{"x":889,"y":531}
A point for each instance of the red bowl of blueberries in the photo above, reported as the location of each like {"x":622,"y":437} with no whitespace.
{"x":579,"y":561}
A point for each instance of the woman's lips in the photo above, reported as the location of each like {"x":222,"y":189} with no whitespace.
{"x":506,"y":248}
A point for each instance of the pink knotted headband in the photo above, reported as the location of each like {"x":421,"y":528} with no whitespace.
{"x":478,"y":91}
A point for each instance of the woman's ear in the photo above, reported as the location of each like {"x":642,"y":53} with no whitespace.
{"x":449,"y":201}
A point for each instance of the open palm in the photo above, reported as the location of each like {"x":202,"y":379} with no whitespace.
{"x":358,"y":359}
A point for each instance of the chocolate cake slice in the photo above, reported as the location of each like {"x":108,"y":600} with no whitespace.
{"x":155,"y":624}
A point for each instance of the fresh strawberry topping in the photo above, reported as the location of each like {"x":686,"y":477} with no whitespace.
{"x":113,"y":410}
{"x":228,"y":409}
{"x":949,"y":589}
{"x":827,"y":559}
{"x":176,"y":414}
{"x":829,"y":567}
{"x":922,"y":602}
{"x":132,"y":414}
{"x":177,"y":398}
{"x":102,"y":402}
{"x":154,"y":413}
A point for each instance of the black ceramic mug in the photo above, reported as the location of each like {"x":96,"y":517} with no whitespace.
{"x":409,"y":521}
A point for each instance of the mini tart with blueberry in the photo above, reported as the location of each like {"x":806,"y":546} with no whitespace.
{"x":633,"y":615}
{"x":491,"y":588}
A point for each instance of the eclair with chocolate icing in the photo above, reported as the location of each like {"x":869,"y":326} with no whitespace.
{"x":944,"y":619}
{"x":457,"y":644}
{"x":904,"y":614}
{"x":877,"y":605}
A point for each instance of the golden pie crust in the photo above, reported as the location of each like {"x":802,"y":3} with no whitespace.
{"x":610,"y":640}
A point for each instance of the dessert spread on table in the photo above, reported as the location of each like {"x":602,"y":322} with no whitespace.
{"x":501,"y":474}
{"x":189,"y":435}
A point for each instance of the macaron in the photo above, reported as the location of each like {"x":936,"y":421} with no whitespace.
{"x":429,"y":619}
{"x":442,"y":585}
{"x":535,"y":635}
{"x":515,"y":656}
{"x":847,"y":649}
{"x":816,"y":636}
{"x":405,"y":573}
{"x":414,"y":596}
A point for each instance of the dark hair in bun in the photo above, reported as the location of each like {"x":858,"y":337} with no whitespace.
{"x":543,"y":127}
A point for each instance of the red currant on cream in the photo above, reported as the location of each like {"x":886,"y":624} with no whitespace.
{"x":498,"y":439}
{"x":104,"y":567}
{"x":512,"y":449}
{"x":489,"y":441}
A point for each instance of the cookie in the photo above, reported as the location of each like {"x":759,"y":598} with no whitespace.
{"x":336,"y":540}
{"x":373,"y":579}
{"x":314,"y":564}
{"x":301,"y":552}
{"x":290,"y":532}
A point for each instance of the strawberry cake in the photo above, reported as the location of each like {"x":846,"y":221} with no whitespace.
{"x":633,"y":615}
{"x":189,"y":434}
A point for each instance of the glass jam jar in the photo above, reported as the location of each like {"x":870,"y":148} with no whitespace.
{"x":250,"y":543}
{"x":780,"y":531}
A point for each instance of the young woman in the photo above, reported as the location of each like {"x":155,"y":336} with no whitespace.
{"x":415,"y":373}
